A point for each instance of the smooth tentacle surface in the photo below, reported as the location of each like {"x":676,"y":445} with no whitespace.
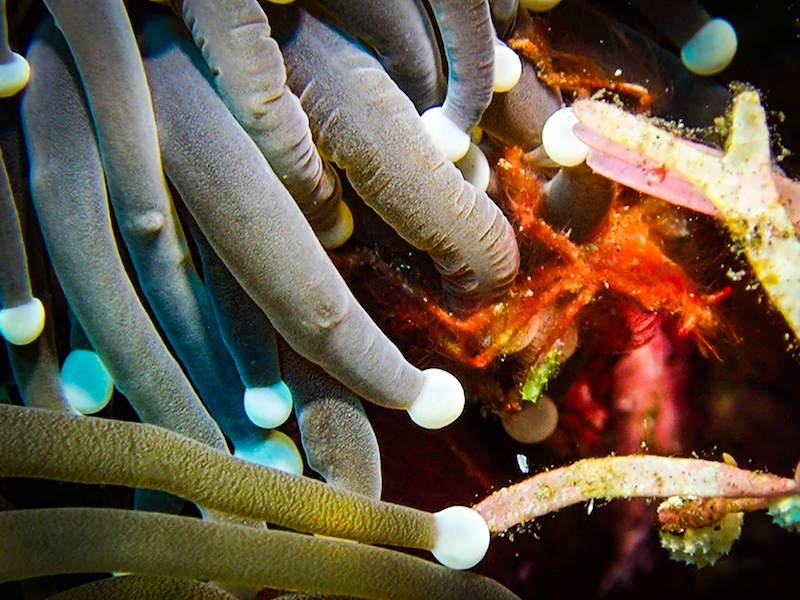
{"x":104,"y":48}
{"x":70,"y":198}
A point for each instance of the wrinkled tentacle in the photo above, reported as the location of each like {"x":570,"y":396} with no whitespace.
{"x":403,"y":38}
{"x":69,"y":193}
{"x":468,"y":38}
{"x":337,"y":437}
{"x":370,"y":129}
{"x":255,"y":91}
{"x":238,"y":202}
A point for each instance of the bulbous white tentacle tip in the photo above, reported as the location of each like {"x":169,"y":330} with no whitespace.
{"x":338,"y":233}
{"x":275,"y":450}
{"x":448,"y":138}
{"x":440,"y":401}
{"x":711,"y":48}
{"x":539,"y":5}
{"x":22,"y":324}
{"x":475,"y":167}
{"x":14,"y":75}
{"x":87,"y":384}
{"x":268,"y":406}
{"x":559,"y":140}
{"x":507,"y":68}
{"x":462,"y":537}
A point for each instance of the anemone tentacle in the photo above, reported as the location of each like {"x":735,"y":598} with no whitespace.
{"x":113,"y":78}
{"x":349,"y":99}
{"x":255,"y":91}
{"x":406,"y":47}
{"x":232,"y":193}
{"x":69,"y":193}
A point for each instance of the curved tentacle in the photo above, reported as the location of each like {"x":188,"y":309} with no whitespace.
{"x":234,"y":196}
{"x":337,"y":437}
{"x":70,"y":198}
{"x":395,"y":169}
{"x":466,"y":29}
{"x":469,"y":45}
{"x":255,"y":91}
{"x":104,"y":49}
{"x":405,"y":46}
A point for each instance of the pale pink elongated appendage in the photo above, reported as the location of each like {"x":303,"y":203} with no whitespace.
{"x":635,"y":170}
{"x":641,"y":476}
{"x":740,"y":183}
{"x":789,"y":192}
{"x":618,"y":163}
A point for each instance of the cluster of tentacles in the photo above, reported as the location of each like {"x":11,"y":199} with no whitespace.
{"x":180,"y":186}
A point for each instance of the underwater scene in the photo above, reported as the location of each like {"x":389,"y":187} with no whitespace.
{"x":412,"y":299}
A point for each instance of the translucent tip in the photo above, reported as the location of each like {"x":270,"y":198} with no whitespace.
{"x":22,"y":324}
{"x":534,"y":423}
{"x":507,"y":68}
{"x":462,"y":537}
{"x":475,"y":167}
{"x":440,"y":401}
{"x":275,"y":450}
{"x":14,"y":75}
{"x":341,"y":230}
{"x":269,"y":406}
{"x":448,"y":138}
{"x":87,"y":383}
{"x":711,"y":49}
{"x":560,"y":142}
{"x":539,"y":5}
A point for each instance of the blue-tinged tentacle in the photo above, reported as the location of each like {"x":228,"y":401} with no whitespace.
{"x":69,"y":193}
{"x":103,"y":46}
{"x":240,"y":206}
{"x":250,"y":338}
{"x":337,"y":437}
